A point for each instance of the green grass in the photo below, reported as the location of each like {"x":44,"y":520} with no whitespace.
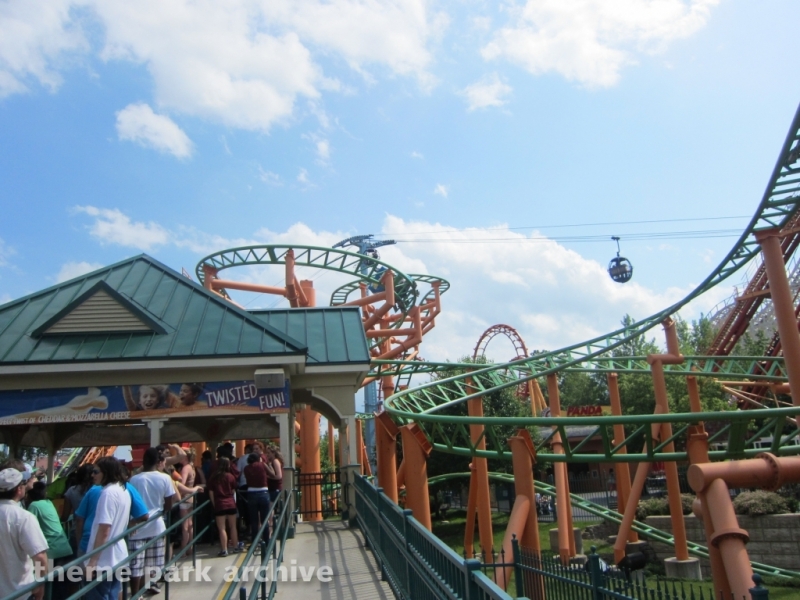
{"x":452,"y":534}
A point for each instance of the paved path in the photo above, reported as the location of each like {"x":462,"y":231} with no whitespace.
{"x":355,"y":574}
{"x":333,"y":544}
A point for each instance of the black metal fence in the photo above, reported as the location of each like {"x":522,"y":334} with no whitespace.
{"x":330,"y":504}
{"x":539,"y":578}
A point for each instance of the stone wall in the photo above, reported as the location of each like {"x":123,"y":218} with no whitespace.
{"x":774,"y":539}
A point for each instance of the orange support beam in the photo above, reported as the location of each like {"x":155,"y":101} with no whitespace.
{"x":523,"y":457}
{"x":481,"y":479}
{"x":311,"y":499}
{"x":566,"y":537}
{"x":386,"y":433}
{"x":416,"y":449}
{"x":657,"y":362}
{"x":622,"y":473}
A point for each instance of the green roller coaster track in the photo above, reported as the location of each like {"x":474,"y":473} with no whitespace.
{"x":428,"y":404}
{"x":612,"y":516}
{"x":331,"y":259}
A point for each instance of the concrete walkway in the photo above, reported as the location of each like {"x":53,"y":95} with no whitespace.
{"x":333,"y":544}
{"x":355,"y":574}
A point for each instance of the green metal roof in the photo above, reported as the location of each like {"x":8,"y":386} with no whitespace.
{"x":195,"y":322}
{"x":333,"y":335}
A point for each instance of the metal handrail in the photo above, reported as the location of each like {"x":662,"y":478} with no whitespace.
{"x":63,"y":570}
{"x":267,"y":548}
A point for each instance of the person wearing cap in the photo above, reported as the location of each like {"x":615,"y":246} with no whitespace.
{"x":23,"y":543}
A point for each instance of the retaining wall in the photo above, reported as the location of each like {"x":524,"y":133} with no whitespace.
{"x":774,"y":539}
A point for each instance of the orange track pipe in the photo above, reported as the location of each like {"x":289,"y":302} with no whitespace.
{"x":516,"y":525}
{"x":291,"y":292}
{"x":623,"y":473}
{"x":642,"y":471}
{"x":311,"y":500}
{"x":218,"y":284}
{"x":697,"y":447}
{"x":410,"y":342}
{"x":386,"y":433}
{"x":309,"y":294}
{"x":416,"y":449}
{"x":565,"y":531}
{"x":360,"y":443}
{"x":783,"y":306}
{"x":365,"y":300}
{"x":523,"y":458}
{"x":481,"y":479}
{"x":657,"y":362}
{"x":765,"y":471}
{"x":729,"y":539}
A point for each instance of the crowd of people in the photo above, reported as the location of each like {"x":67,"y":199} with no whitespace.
{"x":102,"y":501}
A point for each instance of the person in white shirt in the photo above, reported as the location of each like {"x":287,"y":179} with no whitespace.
{"x":158,"y":493}
{"x":110,"y":521}
{"x":22,"y":543}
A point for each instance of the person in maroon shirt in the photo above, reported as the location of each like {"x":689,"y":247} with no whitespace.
{"x":258,"y":502}
{"x":221,"y":490}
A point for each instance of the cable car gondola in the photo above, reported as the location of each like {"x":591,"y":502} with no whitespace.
{"x":620,"y":268}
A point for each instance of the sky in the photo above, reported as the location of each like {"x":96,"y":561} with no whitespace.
{"x":501,"y":144}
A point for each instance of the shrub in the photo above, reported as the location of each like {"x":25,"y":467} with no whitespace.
{"x":660,"y":506}
{"x":760,"y":503}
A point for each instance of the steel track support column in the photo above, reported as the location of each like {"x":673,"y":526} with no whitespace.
{"x":416,"y":449}
{"x":386,"y":433}
{"x":697,"y":448}
{"x":783,"y":305}
{"x":481,"y":479}
{"x":623,"y":473}
{"x":523,"y":457}
{"x":566,"y":536}
{"x":311,"y":499}
{"x":657,"y":362}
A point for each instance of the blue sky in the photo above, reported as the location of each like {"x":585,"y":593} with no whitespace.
{"x":180,"y":128}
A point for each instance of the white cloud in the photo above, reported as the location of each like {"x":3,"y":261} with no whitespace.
{"x":112,"y":226}
{"x":323,"y":150}
{"x":590,"y":41}
{"x":241,"y":63}
{"x":441,"y":190}
{"x":303,"y":180}
{"x":488,"y":91}
{"x":5,"y":252}
{"x":36,"y":35}
{"x":552,"y":295}
{"x":225,"y":146}
{"x":138,"y":123}
{"x":269,"y":177}
{"x":417,"y":155}
{"x":71,"y":270}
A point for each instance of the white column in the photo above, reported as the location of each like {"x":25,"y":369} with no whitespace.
{"x":349,"y":450}
{"x":155,"y":426}
{"x":286,"y":432}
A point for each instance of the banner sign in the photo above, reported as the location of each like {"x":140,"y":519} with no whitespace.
{"x":125,"y":402}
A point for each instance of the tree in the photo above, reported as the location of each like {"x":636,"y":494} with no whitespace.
{"x":501,"y":403}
